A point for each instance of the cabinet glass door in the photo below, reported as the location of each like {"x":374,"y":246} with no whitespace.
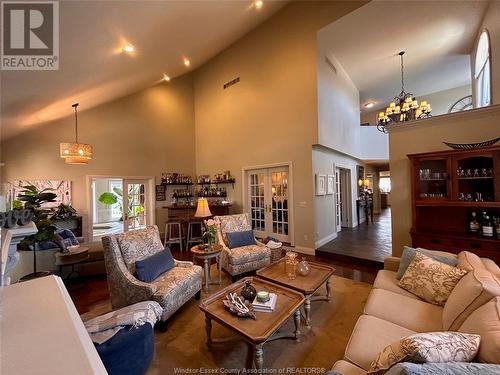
{"x":433,"y":179}
{"x":474,"y":176}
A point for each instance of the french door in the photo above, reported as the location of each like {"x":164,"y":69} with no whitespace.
{"x":135,"y":204}
{"x":268,"y":198}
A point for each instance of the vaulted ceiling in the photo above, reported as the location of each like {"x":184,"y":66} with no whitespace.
{"x":437,"y":36}
{"x":93,"y":69}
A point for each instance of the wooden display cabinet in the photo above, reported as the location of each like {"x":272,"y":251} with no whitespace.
{"x":447,"y":186}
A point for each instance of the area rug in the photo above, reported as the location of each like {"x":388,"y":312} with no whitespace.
{"x":182,"y":348}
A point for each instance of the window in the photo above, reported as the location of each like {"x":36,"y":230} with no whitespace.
{"x":482,"y":71}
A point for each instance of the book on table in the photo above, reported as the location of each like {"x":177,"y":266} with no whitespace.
{"x":268,"y":306}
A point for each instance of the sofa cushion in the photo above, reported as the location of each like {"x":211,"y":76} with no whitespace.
{"x":150,"y":268}
{"x":431,"y":347}
{"x":474,"y":290}
{"x":247,"y":254}
{"x":407,"y":312}
{"x":447,"y":368}
{"x":238,"y":239}
{"x":430,"y":279}
{"x":409,"y":254}
{"x":485,"y":321}
{"x":491,"y":266}
{"x":387,"y":280}
{"x":139,"y":244}
{"x":347,"y":368}
{"x":369,"y":337}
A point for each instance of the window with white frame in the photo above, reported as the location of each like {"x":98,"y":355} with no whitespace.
{"x":482,"y":71}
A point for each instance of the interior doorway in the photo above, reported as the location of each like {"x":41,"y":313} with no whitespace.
{"x":342,"y":198}
{"x":268,"y":201}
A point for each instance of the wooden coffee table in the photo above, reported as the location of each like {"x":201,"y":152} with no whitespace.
{"x":261,"y":330}
{"x":307,"y":285}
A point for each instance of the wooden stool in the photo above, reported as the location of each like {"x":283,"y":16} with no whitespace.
{"x":173,"y":234}
{"x":192,"y":237}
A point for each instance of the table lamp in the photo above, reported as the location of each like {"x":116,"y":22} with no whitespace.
{"x":202,"y":210}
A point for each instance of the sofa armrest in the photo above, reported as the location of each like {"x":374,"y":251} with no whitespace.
{"x":183,"y":263}
{"x":391,"y":263}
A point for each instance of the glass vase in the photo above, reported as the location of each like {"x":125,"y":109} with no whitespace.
{"x":291,"y":265}
{"x":303,"y":267}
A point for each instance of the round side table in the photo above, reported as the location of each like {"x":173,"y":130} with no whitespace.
{"x":207,"y":255}
{"x":72,"y":258}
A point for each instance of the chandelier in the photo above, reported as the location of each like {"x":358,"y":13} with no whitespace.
{"x":75,"y":153}
{"x":404,"y":107}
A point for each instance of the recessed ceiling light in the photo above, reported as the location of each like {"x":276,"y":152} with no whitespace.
{"x":128,"y":48}
{"x":187,"y":62}
{"x":259,"y":4}
{"x":369,"y":105}
{"x":166,"y":78}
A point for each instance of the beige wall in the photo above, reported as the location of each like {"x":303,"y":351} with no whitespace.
{"x":425,"y":136}
{"x":270,"y":116}
{"x":143,"y":134}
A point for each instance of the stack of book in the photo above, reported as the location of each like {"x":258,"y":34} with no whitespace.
{"x":268,"y":306}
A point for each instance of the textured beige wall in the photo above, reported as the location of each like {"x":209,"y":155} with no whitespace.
{"x":143,"y":134}
{"x":426,"y":136}
{"x":270,"y":116}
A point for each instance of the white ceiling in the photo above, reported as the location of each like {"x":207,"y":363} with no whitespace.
{"x":92,"y":69}
{"x":437,"y":36}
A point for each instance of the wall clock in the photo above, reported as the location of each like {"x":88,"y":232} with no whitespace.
{"x":460,"y":105}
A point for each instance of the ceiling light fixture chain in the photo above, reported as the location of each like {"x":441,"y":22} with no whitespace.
{"x":75,"y":106}
{"x":404,"y":107}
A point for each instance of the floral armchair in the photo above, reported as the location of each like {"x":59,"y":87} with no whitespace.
{"x":171,"y":289}
{"x":240,"y":259}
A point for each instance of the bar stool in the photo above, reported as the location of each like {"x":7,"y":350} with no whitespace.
{"x":194,"y":233}
{"x":173,"y":233}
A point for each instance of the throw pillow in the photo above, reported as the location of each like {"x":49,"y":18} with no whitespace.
{"x":150,"y":268}
{"x":430,"y":279}
{"x":431,"y":347}
{"x":67,"y":235}
{"x":472,"y":291}
{"x":238,"y":239}
{"x":409,"y":254}
{"x":485,"y":321}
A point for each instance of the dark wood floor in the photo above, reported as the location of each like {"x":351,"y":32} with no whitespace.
{"x":94,"y":291}
{"x":369,"y":243}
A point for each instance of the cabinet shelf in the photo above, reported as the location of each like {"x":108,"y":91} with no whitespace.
{"x":453,"y":203}
{"x":475,"y":178}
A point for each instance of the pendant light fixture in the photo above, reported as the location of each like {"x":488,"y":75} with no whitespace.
{"x":404,"y":107}
{"x":75,"y":153}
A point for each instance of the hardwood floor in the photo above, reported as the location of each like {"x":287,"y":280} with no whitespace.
{"x":94,"y":291}
{"x":370,"y":244}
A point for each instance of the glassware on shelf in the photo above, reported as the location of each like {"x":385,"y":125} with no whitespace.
{"x":303,"y":268}
{"x":291,"y":265}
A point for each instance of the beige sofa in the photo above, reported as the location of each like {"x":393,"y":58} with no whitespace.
{"x":392,"y":313}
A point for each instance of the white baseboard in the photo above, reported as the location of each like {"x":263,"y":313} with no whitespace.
{"x":325,"y":240}
{"x":304,"y":250}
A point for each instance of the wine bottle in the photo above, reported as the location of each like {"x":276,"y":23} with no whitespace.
{"x":487,"y":227}
{"x":474,"y":224}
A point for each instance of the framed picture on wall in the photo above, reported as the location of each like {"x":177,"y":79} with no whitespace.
{"x":329,"y":184}
{"x":320,"y":184}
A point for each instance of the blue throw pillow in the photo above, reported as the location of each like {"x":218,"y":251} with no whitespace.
{"x":66,"y":234}
{"x":238,"y":239}
{"x":150,"y":268}
{"x":409,"y":254}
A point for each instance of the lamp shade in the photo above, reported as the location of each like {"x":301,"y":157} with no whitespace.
{"x":202,"y":210}
{"x":75,"y":153}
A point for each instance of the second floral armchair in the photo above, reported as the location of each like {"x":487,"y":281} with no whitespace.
{"x":242,"y":259}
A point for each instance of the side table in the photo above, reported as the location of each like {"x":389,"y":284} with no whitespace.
{"x":206,"y":255}
{"x":71,"y":259}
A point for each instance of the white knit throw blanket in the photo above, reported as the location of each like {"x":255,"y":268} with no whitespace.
{"x":103,"y":327}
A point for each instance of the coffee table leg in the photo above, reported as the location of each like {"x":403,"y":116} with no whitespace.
{"x":307,"y":309}
{"x":296,"y":317}
{"x":328,"y":290}
{"x":259,"y":356}
{"x":208,"y":330}
{"x":206,"y":267}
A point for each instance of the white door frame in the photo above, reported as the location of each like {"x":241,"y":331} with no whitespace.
{"x":151,"y":215}
{"x":291,"y":206}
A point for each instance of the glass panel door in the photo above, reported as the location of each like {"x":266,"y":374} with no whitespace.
{"x":433,"y":179}
{"x":134,"y":203}
{"x":257,"y":202}
{"x":279,"y":203}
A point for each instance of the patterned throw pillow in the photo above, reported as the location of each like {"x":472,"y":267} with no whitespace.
{"x":430,"y":280}
{"x":432,"y":347}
